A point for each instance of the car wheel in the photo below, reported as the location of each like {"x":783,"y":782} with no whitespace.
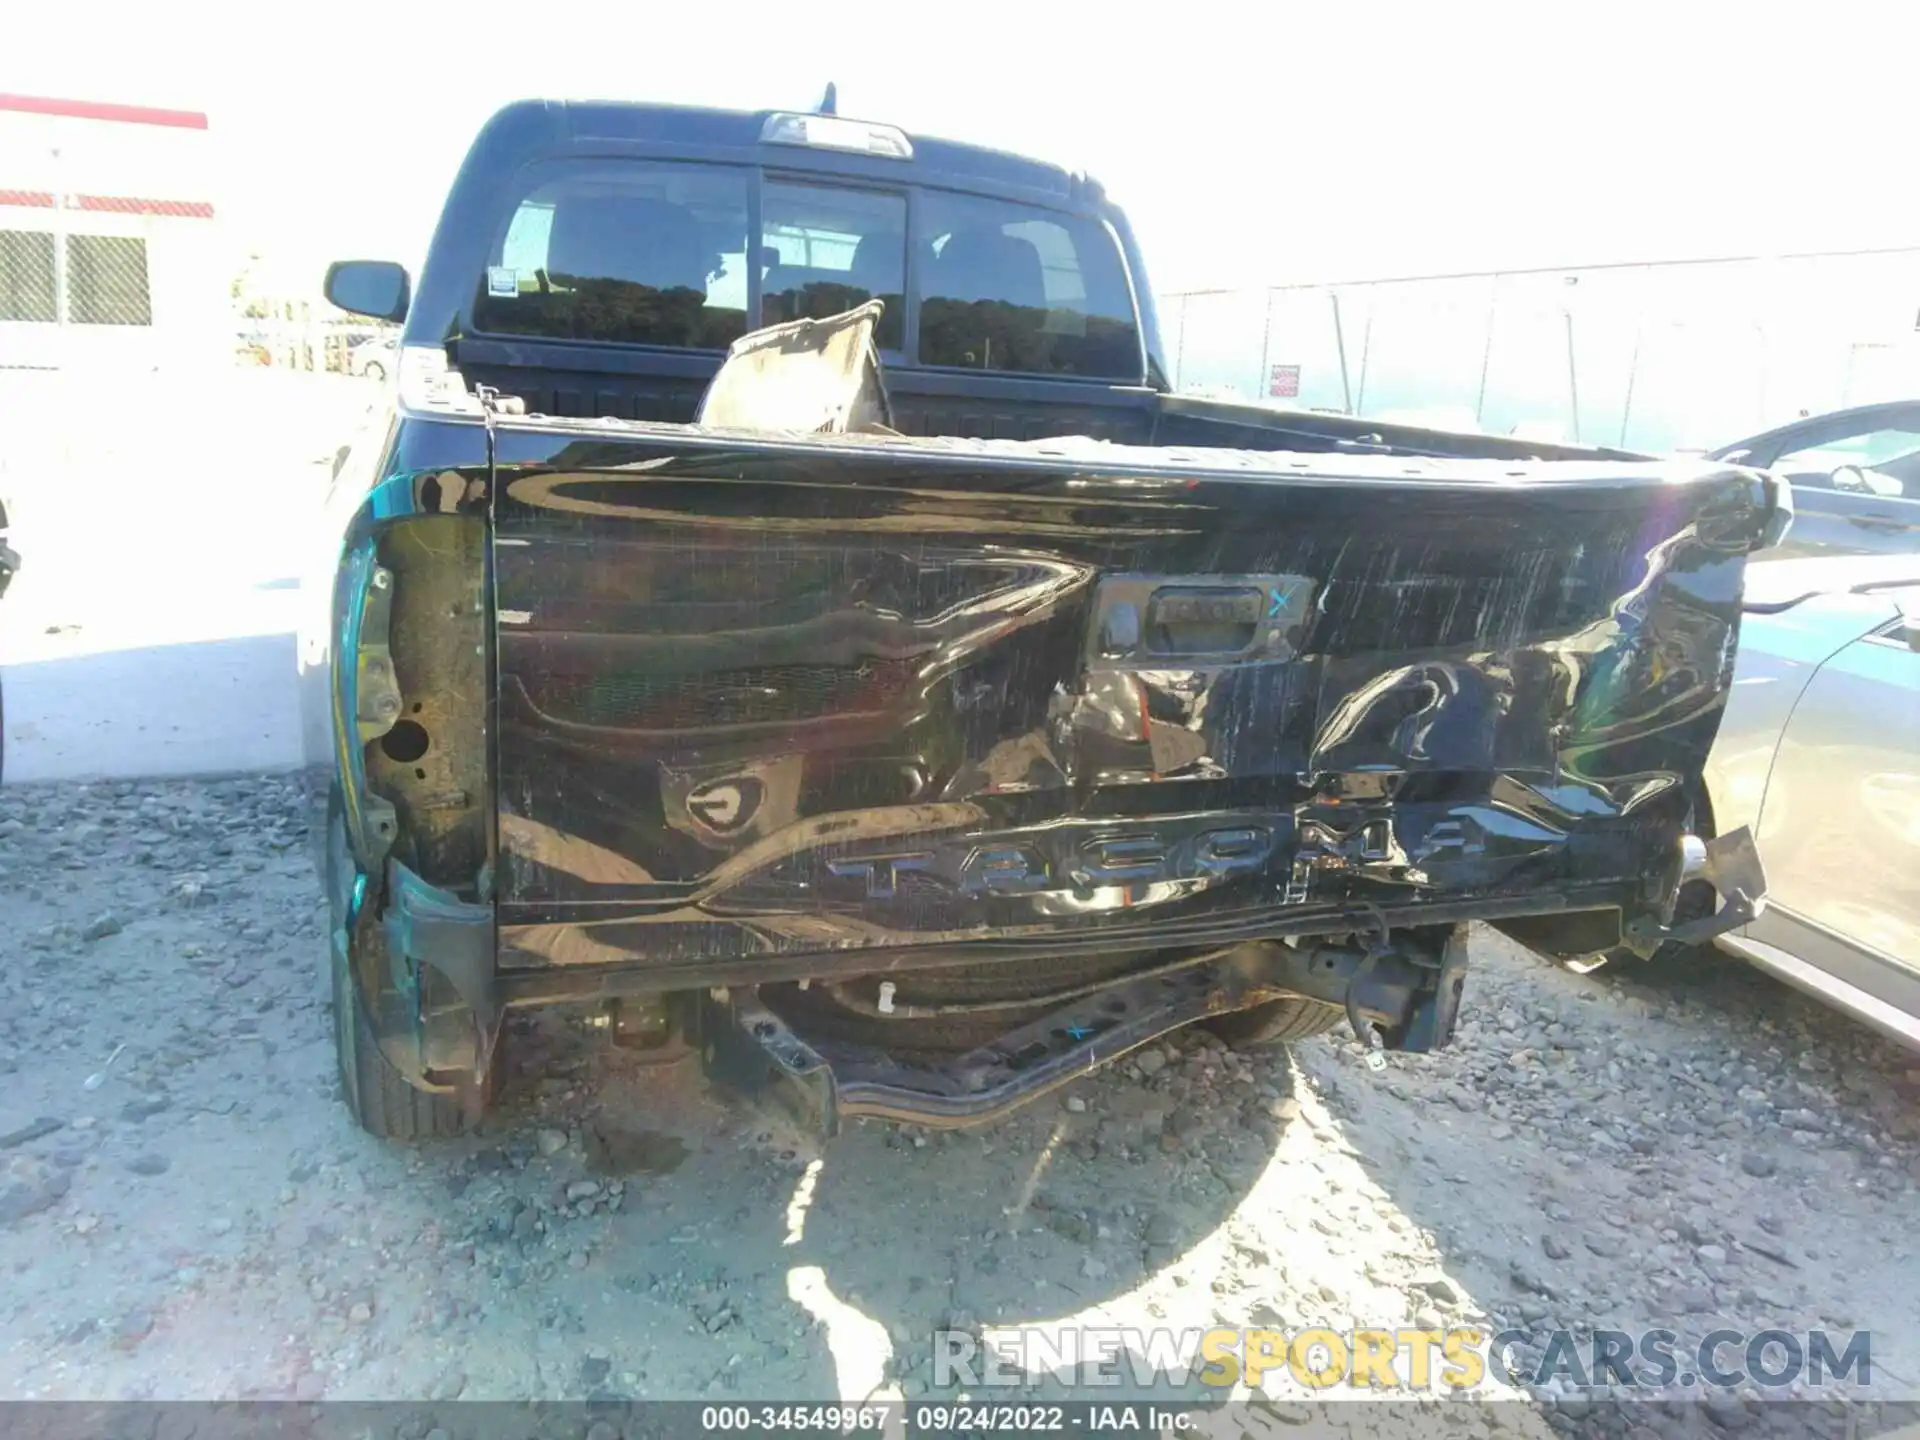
{"x":381,"y":1099}
{"x":1274,"y":1023}
{"x":375,"y":370}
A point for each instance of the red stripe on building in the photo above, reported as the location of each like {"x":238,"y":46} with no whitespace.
{"x":132,"y":205}
{"x":98,"y":110}
{"x":110,"y":204}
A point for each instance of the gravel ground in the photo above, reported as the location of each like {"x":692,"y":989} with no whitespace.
{"x":186,"y":1211}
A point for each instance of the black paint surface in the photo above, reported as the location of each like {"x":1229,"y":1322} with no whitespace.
{"x":765,"y":698}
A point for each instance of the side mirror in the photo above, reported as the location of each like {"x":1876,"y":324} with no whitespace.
{"x":378,"y":289}
{"x":1866,"y":482}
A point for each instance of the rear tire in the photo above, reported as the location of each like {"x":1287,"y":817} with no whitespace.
{"x":375,"y":1091}
{"x":379,"y":1096}
{"x":1274,"y":1023}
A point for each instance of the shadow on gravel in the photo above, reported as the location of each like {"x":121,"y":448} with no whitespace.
{"x":1579,"y":1160}
{"x":1697,"y":973}
{"x":751,"y":1263}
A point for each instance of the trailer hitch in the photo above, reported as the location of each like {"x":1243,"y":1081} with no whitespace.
{"x":1401,"y":992}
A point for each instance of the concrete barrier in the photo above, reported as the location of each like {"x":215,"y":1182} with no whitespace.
{"x":163,"y":526}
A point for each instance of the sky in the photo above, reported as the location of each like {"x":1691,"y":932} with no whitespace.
{"x":1251,"y":143}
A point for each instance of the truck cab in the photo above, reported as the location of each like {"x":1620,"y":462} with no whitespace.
{"x":598,"y":259}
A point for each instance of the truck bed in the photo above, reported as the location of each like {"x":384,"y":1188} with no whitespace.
{"x":645,"y":386}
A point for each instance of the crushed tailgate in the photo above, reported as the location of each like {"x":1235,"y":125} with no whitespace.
{"x":765,"y":698}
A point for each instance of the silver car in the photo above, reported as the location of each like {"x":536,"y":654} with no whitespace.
{"x":1855,"y":476}
{"x":373,"y":357}
{"x":1819,"y":753}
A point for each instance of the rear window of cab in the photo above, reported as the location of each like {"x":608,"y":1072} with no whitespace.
{"x":662,"y":254}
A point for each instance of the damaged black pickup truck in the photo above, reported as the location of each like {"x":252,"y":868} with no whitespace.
{"x":912,"y":768}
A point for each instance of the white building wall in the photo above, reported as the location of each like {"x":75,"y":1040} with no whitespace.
{"x":83,"y":174}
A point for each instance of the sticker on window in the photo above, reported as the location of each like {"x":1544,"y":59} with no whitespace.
{"x":503,"y":281}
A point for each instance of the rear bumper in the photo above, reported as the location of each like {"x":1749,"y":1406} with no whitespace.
{"x":587,"y":981}
{"x":1397,"y":971}
{"x":1729,"y":863}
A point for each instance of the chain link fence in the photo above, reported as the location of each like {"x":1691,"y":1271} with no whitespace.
{"x":53,"y":278}
{"x":1648,"y":357}
{"x":86,"y":293}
